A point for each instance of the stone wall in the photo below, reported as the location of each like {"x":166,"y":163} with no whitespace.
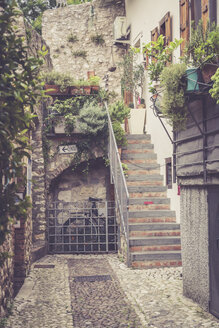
{"x":84,"y":21}
{"x":195,"y":243}
{"x":22,"y":251}
{"x":6,"y":274}
{"x":75,"y":186}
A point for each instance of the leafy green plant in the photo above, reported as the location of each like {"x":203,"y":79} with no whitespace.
{"x":125,"y":169}
{"x":159,"y":55}
{"x":203,"y":46}
{"x":98,"y":39}
{"x":93,"y":119}
{"x":20,"y":90}
{"x":55,"y":78}
{"x":119,"y":133}
{"x":119,"y":111}
{"x":127,"y":81}
{"x":173,"y":101}
{"x":214,"y":91}
{"x":80,"y":53}
{"x":72,"y":38}
{"x":94,"y":80}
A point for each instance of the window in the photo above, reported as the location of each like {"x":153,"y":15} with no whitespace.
{"x":200,"y":9}
{"x":166,"y":28}
{"x":184,"y":23}
{"x":169,"y":172}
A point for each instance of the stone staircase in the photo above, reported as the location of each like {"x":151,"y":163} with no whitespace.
{"x":154,"y":233}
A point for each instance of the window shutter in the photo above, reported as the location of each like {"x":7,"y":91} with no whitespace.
{"x":154,"y":34}
{"x":184,"y":22}
{"x":205,"y":12}
{"x":168,"y":28}
{"x":196,"y":11}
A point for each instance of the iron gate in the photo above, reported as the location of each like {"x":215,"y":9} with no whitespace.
{"x":82,"y":227}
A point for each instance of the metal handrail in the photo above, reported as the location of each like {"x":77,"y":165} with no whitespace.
{"x":118,"y":179}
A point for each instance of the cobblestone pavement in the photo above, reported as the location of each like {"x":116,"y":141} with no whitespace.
{"x":156,"y":296}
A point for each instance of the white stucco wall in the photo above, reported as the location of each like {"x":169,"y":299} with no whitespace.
{"x":144,"y":16}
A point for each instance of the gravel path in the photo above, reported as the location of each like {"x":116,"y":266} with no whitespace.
{"x":116,"y":297}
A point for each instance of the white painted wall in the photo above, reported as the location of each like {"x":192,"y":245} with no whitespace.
{"x":144,"y":16}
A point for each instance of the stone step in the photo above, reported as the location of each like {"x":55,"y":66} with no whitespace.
{"x":137,"y":151}
{"x":155,"y":264}
{"x":152,"y":220}
{"x":144,"y":177}
{"x":146,"y":207}
{"x":144,"y":183}
{"x":151,"y":171}
{"x":138,"y":137}
{"x":154,"y":241}
{"x":155,"y":200}
{"x":137,"y":156}
{"x":156,"y":256}
{"x":147,"y":194}
{"x":155,"y":213}
{"x":163,"y":248}
{"x":140,"y":161}
{"x":155,"y":233}
{"x":138,"y":141}
{"x":142,"y":167}
{"x":154,"y":226}
{"x":144,"y":189}
{"x":138,"y":146}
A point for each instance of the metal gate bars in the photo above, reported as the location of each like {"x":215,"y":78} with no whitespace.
{"x":82,"y":227}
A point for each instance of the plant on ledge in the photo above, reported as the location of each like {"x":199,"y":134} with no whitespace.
{"x":53,"y":78}
{"x":173,"y":100}
{"x":159,"y":56}
{"x":118,"y":112}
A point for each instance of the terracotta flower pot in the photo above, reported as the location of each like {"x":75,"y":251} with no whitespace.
{"x":95,"y":88}
{"x":90,"y":74}
{"x":208,"y":71}
{"x":87,"y":90}
{"x":52,"y":89}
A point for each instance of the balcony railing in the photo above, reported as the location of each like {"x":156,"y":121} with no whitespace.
{"x":120,"y":186}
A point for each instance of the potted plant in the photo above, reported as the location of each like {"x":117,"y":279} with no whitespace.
{"x":202,"y":50}
{"x":63,"y":115}
{"x":57,"y":83}
{"x":94,"y":83}
{"x":80,"y":87}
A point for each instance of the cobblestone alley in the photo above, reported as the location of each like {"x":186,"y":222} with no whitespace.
{"x":99,"y":291}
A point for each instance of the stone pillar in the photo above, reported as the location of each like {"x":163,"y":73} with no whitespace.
{"x":38,"y":190}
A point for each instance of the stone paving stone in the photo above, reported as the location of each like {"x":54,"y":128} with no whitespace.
{"x":99,"y":304}
{"x":154,"y":294}
{"x":44,"y":300}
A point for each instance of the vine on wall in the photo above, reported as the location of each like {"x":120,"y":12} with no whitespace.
{"x":20,"y":90}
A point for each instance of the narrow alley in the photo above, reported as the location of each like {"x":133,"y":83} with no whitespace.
{"x":97,"y":291}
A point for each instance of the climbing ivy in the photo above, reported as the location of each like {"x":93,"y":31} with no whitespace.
{"x":19,"y":92}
